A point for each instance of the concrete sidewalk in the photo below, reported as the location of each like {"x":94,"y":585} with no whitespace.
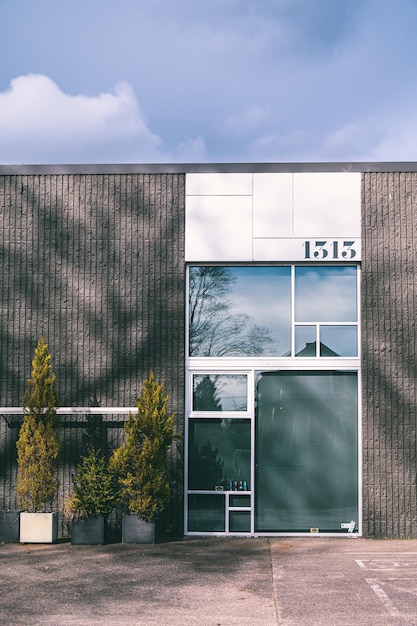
{"x":211,"y":582}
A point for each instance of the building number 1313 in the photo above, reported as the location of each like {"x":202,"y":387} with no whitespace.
{"x":330,"y":250}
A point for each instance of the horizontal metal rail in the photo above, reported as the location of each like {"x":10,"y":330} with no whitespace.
{"x":71,"y":410}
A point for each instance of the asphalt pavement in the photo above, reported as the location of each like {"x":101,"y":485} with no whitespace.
{"x":289,"y":581}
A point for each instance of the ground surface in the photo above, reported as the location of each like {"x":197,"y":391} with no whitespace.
{"x":210,"y":582}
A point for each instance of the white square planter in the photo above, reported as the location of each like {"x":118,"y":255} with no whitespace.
{"x":38,"y":527}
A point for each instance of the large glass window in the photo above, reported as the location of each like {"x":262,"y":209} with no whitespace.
{"x":219,"y":453}
{"x":239,"y":311}
{"x":326,"y":297}
{"x":272,"y":442}
{"x":306,"y":451}
{"x":325,"y":294}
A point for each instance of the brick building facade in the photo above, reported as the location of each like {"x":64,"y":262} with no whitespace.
{"x":103,"y":260}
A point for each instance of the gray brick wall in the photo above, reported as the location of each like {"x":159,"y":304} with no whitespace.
{"x":95,"y":263}
{"x":389,"y":298}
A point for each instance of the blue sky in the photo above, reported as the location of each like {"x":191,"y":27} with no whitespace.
{"x":106,"y":81}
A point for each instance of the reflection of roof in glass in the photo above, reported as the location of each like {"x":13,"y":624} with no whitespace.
{"x":310,"y":350}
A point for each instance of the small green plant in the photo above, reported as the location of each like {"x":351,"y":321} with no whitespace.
{"x":38,"y":446}
{"x":95,"y":489}
{"x":141,"y":461}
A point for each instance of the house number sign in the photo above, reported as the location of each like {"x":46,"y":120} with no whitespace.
{"x":317,"y":250}
{"x":331,"y":250}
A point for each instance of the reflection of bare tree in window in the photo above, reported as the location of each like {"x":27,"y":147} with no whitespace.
{"x":214,"y":330}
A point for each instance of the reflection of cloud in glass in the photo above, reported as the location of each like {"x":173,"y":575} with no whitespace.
{"x":216,"y":327}
{"x":264,"y":293}
{"x":341,"y":339}
{"x":325,"y":294}
{"x":246,"y":310}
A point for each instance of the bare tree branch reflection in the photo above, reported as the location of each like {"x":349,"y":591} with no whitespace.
{"x":214,"y":330}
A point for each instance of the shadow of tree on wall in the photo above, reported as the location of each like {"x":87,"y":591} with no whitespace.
{"x":389,"y":298}
{"x":95,"y":263}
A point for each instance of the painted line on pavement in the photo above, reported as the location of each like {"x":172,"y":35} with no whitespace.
{"x":382,"y":596}
{"x":363,"y":552}
{"x":386,"y":564}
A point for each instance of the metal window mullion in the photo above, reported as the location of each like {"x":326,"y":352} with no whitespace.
{"x":292,"y":310}
{"x":226,"y":512}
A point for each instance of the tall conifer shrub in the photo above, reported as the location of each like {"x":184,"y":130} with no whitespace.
{"x":141,"y":461}
{"x":38,"y":446}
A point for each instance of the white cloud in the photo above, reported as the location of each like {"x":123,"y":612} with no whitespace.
{"x":399,"y":142}
{"x":276,"y":146}
{"x":191,"y":151}
{"x":243,"y":123}
{"x":354,"y":141}
{"x":41,"y":123}
{"x":370,"y":139}
{"x":246,"y":81}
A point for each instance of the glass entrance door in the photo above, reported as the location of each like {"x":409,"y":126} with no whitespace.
{"x":306,"y":452}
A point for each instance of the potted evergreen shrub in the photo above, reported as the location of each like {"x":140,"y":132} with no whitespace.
{"x":141,"y":463}
{"x":94,"y":496}
{"x":37,"y":453}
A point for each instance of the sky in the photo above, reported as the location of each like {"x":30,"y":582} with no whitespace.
{"x":156,"y":81}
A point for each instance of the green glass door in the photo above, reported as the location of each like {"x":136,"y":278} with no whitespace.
{"x":306,"y":452}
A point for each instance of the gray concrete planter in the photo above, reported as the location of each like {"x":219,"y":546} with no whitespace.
{"x":88,"y":531}
{"x":136,"y":530}
{"x":38,"y":527}
{"x":9,"y":526}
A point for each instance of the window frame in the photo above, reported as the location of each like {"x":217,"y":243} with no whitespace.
{"x":249,"y":366}
{"x":223,"y":413}
{"x":293,"y":323}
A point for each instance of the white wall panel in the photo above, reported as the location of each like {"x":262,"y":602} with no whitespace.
{"x":218,"y":184}
{"x":327,"y":204}
{"x":279,"y":249}
{"x":218,"y":228}
{"x":280,"y":216}
{"x":272,"y":205}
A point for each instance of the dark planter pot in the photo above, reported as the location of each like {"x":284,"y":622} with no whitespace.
{"x":89,"y":531}
{"x":9,"y":526}
{"x":136,"y":530}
